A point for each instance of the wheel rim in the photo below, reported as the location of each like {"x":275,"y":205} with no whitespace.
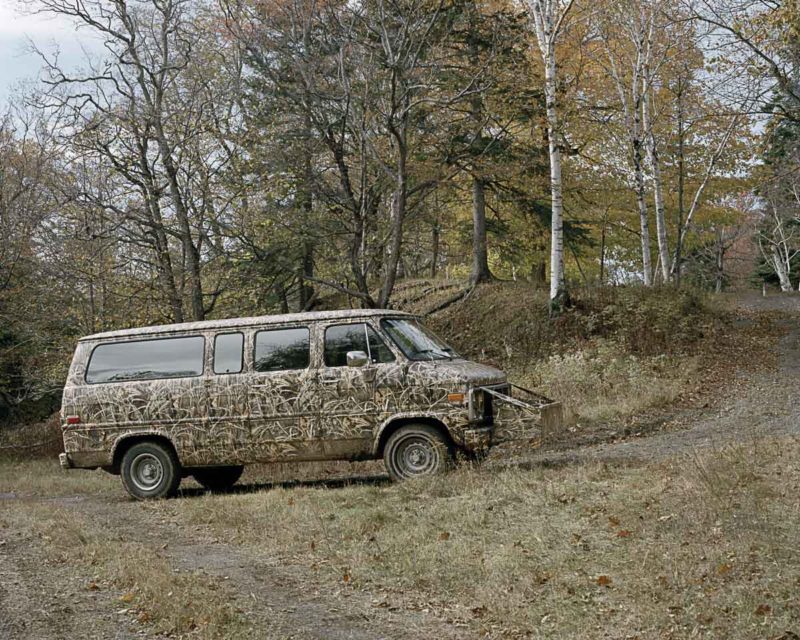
{"x":416,"y":456}
{"x":146,"y":471}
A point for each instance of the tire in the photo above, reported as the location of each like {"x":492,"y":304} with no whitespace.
{"x":150,"y":470}
{"x":218,"y":478}
{"x":416,"y":451}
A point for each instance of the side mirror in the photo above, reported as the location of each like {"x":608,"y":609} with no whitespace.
{"x":356,"y":359}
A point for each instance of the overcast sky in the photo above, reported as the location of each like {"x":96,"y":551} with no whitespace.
{"x":17,"y":30}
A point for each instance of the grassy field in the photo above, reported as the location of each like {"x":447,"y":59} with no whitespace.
{"x":695,"y":546}
{"x":699,"y":545}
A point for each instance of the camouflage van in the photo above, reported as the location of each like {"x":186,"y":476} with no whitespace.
{"x":204,"y":399}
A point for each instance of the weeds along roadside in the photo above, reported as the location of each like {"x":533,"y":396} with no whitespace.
{"x":702,"y":544}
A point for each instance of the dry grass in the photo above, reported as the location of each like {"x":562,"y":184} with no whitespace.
{"x":602,"y":383}
{"x":150,"y":589}
{"x":44,"y":477}
{"x":696,"y":547}
{"x":615,"y":352}
{"x":699,"y":546}
{"x":36,"y":440}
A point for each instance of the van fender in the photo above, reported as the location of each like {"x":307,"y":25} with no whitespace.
{"x":409,"y":417}
{"x":143,"y":433}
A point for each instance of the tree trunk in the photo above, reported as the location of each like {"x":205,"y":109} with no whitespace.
{"x":602,"y":278}
{"x":434,"y":247}
{"x":658,"y":195}
{"x":557,"y":288}
{"x":305,"y":272}
{"x":781,"y":269}
{"x":392,"y":254}
{"x":641,"y":203}
{"x":681,"y":188}
{"x":720,"y":262}
{"x":480,"y":259}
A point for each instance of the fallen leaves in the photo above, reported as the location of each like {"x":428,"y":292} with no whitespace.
{"x":444,"y":535}
{"x":604,"y":581}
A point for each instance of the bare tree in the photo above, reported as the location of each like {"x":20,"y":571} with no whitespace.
{"x":143,"y":109}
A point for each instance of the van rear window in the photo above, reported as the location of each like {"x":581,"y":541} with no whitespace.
{"x":146,"y":360}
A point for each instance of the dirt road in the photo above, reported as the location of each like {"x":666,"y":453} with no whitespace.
{"x":43,"y":598}
{"x":754,"y":405}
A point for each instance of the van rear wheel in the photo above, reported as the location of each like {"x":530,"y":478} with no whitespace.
{"x":415,"y":451}
{"x":218,"y":478}
{"x":150,"y":470}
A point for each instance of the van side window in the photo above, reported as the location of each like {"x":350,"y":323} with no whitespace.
{"x":146,"y":360}
{"x":341,"y":338}
{"x":228,"y":353}
{"x":282,"y":349}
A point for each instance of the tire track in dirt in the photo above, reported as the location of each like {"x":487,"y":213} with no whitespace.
{"x":41,"y":600}
{"x":278,"y":600}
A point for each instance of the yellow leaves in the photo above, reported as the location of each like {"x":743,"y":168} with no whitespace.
{"x":127,"y":597}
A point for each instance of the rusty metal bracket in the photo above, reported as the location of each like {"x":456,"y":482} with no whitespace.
{"x":538,"y":415}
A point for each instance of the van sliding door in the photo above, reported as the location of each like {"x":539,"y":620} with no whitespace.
{"x":281,"y":396}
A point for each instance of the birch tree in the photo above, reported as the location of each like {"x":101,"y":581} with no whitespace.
{"x":549,"y":18}
{"x":635,"y":54}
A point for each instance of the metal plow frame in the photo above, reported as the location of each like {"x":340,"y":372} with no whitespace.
{"x":524,"y":418}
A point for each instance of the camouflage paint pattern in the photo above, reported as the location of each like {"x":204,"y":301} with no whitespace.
{"x":310,"y":414}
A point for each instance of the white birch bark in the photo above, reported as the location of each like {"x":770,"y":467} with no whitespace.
{"x":630,"y":91}
{"x":781,"y":269}
{"x":658,"y":189}
{"x":779,"y":251}
{"x":548,"y":21}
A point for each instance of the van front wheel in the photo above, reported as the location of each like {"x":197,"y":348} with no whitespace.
{"x":150,"y":470}
{"x":417,"y":450}
{"x":218,"y":478}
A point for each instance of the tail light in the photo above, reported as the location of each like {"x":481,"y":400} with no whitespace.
{"x":72,"y":420}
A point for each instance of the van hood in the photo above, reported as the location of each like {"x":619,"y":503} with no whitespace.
{"x":456,"y":371}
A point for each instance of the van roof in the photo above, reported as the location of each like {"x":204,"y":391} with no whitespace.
{"x":232,"y":323}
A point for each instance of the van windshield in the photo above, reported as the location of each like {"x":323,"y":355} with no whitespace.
{"x":415,"y":341}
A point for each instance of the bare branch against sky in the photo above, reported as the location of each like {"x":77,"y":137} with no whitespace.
{"x":20,"y":28}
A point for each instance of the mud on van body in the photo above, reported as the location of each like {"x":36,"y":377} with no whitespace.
{"x":206,"y":398}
